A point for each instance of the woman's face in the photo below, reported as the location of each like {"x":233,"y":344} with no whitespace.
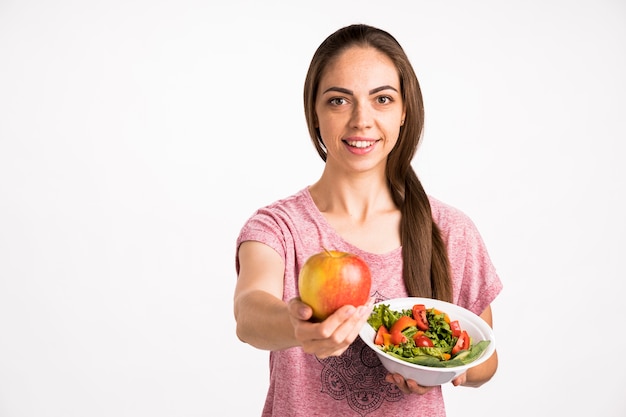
{"x":359,"y":109}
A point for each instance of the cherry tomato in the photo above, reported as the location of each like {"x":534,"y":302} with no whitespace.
{"x":423,"y":341}
{"x":463,"y":343}
{"x":419,"y":314}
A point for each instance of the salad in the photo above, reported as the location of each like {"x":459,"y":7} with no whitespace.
{"x":424,"y":336}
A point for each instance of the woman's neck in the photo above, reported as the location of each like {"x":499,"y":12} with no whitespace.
{"x":356,"y":197}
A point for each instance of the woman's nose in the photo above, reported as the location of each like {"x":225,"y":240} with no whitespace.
{"x":362,"y":116}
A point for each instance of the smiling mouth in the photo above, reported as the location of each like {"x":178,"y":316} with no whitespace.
{"x":360,"y":143}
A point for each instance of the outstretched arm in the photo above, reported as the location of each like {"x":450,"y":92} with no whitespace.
{"x":265,"y":321}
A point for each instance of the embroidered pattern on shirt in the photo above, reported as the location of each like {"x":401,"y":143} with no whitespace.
{"x":358,"y":377}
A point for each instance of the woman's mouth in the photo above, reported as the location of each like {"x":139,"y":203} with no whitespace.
{"x":360,"y":143}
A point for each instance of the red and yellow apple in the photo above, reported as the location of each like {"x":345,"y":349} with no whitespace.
{"x":331,"y":279}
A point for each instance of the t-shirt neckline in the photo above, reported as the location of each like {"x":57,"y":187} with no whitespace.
{"x":354,"y":249}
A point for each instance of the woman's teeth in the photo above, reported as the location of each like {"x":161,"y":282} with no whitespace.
{"x":359,"y":143}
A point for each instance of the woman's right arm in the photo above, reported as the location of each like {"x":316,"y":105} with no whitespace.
{"x":266,"y":322}
{"x":261,"y":314}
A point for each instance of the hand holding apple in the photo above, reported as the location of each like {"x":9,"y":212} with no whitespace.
{"x":331,"y":279}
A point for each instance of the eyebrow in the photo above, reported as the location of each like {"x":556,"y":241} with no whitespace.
{"x":350,"y":92}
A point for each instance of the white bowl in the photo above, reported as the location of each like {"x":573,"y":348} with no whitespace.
{"x":476,"y":327}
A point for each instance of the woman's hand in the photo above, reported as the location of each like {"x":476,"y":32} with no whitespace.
{"x":332,"y":336}
{"x":407,"y":386}
{"x":460,"y":380}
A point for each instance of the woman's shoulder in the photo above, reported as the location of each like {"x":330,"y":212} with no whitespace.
{"x":446,"y":213}
{"x":300,"y":200}
{"x":273,"y":221}
{"x":454,"y":224}
{"x":294,"y":208}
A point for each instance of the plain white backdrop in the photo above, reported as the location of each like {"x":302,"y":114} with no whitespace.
{"x":137,"y":136}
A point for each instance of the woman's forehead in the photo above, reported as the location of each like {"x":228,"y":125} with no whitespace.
{"x":363,"y":66}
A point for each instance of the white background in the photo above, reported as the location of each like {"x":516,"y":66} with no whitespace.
{"x":137,"y":136}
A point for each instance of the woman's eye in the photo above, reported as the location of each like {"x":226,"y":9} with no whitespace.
{"x":337,"y":101}
{"x":384,"y":99}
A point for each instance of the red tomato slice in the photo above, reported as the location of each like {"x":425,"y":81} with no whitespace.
{"x":456,"y":328}
{"x":423,"y":341}
{"x":380,"y":339}
{"x":463,"y":343}
{"x":419,"y":314}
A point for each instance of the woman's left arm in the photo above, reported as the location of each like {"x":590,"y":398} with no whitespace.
{"x":478,"y":375}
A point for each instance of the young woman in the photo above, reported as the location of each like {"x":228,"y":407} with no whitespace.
{"x":365,"y":115}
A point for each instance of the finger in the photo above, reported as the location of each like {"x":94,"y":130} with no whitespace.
{"x":340,"y":338}
{"x":299,"y":310}
{"x":398,"y":381}
{"x":335,"y":334}
{"x":414,"y":387}
{"x":348,"y":321}
{"x":329,"y":341}
{"x":460,"y":380}
{"x":407,"y":386}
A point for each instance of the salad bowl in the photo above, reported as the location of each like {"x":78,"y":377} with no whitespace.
{"x":425,"y":375}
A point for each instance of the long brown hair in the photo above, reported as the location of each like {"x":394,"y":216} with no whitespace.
{"x":426,"y":270}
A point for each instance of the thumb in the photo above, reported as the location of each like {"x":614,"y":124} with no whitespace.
{"x":299,"y":309}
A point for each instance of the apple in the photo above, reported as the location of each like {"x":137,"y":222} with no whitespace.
{"x":331,"y":279}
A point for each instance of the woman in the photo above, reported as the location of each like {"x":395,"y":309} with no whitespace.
{"x":365,"y":116}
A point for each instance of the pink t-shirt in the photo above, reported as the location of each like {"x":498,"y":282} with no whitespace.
{"x":353,"y":384}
